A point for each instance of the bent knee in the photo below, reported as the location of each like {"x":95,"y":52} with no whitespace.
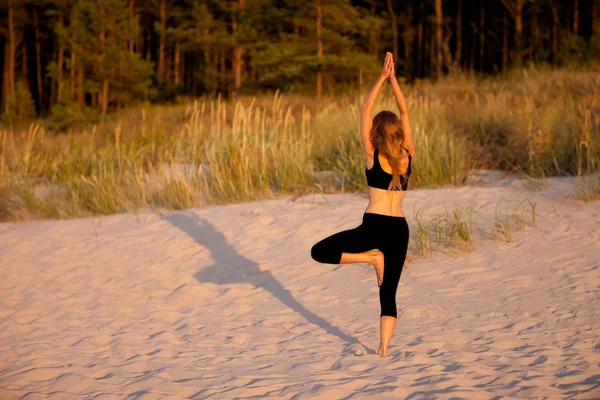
{"x":320,"y":254}
{"x":317,"y":253}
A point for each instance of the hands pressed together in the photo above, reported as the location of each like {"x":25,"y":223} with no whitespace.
{"x":389,"y":70}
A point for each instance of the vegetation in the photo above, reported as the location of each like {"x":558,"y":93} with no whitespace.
{"x":76,"y":60}
{"x":440,"y":231}
{"x":587,"y":188}
{"x":542,"y":123}
{"x":515,"y":219}
{"x":443,"y":230}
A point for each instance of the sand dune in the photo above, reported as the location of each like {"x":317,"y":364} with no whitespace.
{"x":225,"y":302}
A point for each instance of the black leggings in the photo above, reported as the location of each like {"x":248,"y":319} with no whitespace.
{"x":383,"y":232}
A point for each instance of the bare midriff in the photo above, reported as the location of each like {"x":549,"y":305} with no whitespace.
{"x":386,"y":202}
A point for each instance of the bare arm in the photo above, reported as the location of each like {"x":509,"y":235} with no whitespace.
{"x":366,"y":114}
{"x":407,"y":139}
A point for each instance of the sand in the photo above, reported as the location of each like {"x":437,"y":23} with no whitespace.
{"x":225,"y":302}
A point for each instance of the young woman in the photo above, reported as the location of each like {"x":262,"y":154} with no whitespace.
{"x":389,"y":149}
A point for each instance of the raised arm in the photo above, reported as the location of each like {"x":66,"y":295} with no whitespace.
{"x":407,"y":140}
{"x":366,"y":114}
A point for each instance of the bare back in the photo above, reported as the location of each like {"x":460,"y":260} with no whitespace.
{"x":381,"y":201}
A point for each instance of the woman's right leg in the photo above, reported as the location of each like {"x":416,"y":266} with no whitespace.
{"x":387,"y":325}
{"x":349,"y":247}
{"x":330,"y":249}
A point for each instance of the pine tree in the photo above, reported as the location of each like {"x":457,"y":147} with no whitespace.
{"x":99,"y":33}
{"x":339,"y":53}
{"x":16,"y":18}
{"x":515,"y":9}
{"x":209,"y":36}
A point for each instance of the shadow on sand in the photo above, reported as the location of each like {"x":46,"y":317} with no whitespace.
{"x":230,"y":267}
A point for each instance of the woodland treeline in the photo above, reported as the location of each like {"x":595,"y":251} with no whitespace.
{"x":81,"y":58}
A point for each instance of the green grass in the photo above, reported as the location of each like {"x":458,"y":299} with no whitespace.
{"x":546,"y":123}
{"x":587,"y":188}
{"x":421,"y":240}
{"x":507,"y":221}
{"x":442,"y":230}
{"x":536,"y":182}
{"x":453,"y":229}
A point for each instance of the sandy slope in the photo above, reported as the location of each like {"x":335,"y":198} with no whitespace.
{"x":225,"y":302}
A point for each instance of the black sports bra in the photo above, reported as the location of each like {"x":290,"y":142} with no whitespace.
{"x":378,"y":178}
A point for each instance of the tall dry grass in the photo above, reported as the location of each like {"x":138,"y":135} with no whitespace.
{"x":538,"y":123}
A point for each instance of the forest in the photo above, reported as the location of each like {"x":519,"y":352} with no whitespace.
{"x":113,"y":106}
{"x":79,"y":59}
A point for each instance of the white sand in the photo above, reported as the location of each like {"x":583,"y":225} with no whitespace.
{"x":225,"y":302}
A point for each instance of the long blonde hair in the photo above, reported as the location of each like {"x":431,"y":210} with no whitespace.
{"x":386,"y":136}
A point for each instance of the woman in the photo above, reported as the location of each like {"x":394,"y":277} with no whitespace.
{"x":388,"y":146}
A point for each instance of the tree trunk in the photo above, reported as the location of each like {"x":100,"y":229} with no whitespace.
{"x":60,"y":62}
{"x":161,"y":46}
{"x":408,"y":38}
{"x":473,"y":43}
{"x":38,"y":61}
{"x":596,"y":17}
{"x":459,"y":43}
{"x":238,"y":54}
{"x":176,"y":61}
{"x":182,"y":79}
{"x":24,"y":64}
{"x":131,"y":18}
{"x":420,"y":41}
{"x":394,"y":22}
{"x":80,"y":97}
{"x":430,"y":47}
{"x":319,"y":50}
{"x":223,"y":73}
{"x":104,"y":96}
{"x":5,"y":79}
{"x":72,"y":68}
{"x":12,"y":51}
{"x":518,"y":32}
{"x":372,"y":39}
{"x":482,"y":35}
{"x":576,"y":16}
{"x":208,"y":67}
{"x":238,"y":62}
{"x":148,"y":46}
{"x":536,"y":37}
{"x":168,"y":68}
{"x":555,"y":22}
{"x":505,"y":42}
{"x":438,"y":36}
{"x":139,"y":43}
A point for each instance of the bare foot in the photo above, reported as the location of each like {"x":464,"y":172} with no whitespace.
{"x":382,"y":352}
{"x":378,"y":264}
